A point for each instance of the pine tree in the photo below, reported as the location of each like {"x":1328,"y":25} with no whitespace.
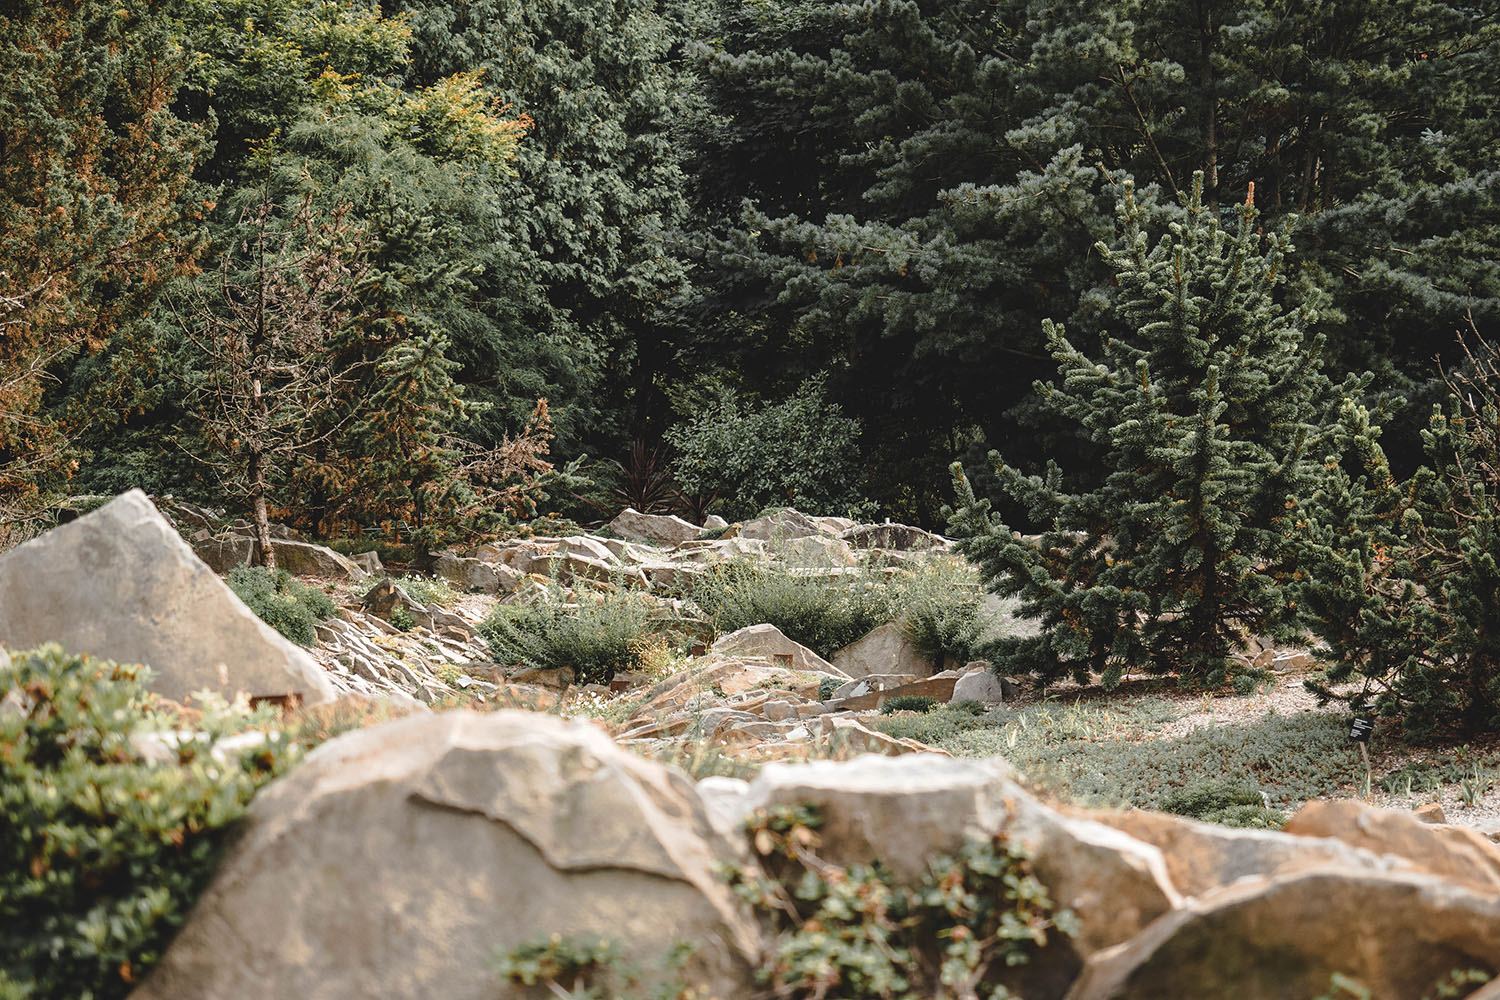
{"x":1403,"y":577}
{"x":93,"y":166}
{"x":1203,"y":415}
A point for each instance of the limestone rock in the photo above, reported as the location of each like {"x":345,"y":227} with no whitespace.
{"x":768,"y":641}
{"x":1202,"y":857}
{"x":308,"y":559}
{"x":714,"y":522}
{"x":654,"y":529}
{"x":882,"y":650}
{"x":939,"y":687}
{"x":1267,"y":939}
{"x":906,"y":810}
{"x":369,"y":562}
{"x":222,"y":553}
{"x":120,"y":583}
{"x":780,"y":526}
{"x":475,"y":574}
{"x":983,"y":686}
{"x":896,"y":537}
{"x":397,"y":861}
{"x":1460,"y":855}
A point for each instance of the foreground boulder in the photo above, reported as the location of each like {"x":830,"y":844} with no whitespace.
{"x":907,"y":810}
{"x":120,"y":583}
{"x":1265,"y":939}
{"x":399,"y":861}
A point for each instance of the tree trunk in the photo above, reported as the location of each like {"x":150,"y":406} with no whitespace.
{"x":264,"y":555}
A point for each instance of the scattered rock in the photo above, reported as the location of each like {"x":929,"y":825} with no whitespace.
{"x":655,"y":529}
{"x":768,"y":641}
{"x":983,"y":685}
{"x":779,"y":526}
{"x":120,"y":583}
{"x":882,"y":650}
{"x":397,"y":861}
{"x":896,"y":537}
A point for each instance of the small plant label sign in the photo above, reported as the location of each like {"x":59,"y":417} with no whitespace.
{"x":1361,"y":728}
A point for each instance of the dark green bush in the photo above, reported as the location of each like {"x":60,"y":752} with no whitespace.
{"x":282,"y":602}
{"x":827,"y":686}
{"x":595,"y":637}
{"x":823,"y":613}
{"x":103,"y":852}
{"x":909,"y":703}
{"x":1228,"y":802}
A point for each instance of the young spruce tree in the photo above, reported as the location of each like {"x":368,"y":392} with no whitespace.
{"x":1204,"y":415}
{"x":1403,"y":578}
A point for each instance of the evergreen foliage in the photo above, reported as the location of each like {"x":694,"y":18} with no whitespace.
{"x":104,"y":850}
{"x":93,"y":173}
{"x":282,"y":602}
{"x":1402,"y":578}
{"x":801,"y":452}
{"x":1203,"y":416}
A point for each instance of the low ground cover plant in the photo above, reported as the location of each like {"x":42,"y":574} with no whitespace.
{"x":104,"y":850}
{"x":281,"y":601}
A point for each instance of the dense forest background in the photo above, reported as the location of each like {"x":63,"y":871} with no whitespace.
{"x":331,"y":257}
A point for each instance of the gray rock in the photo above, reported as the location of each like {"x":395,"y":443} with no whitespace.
{"x":780,"y":526}
{"x":222,"y":553}
{"x":1266,"y":939}
{"x":882,"y":650}
{"x":307,"y":559}
{"x":475,"y":574}
{"x":778,"y":710}
{"x":983,"y":686}
{"x":369,"y":562}
{"x":906,"y":810}
{"x":714,"y":522}
{"x":119,"y":583}
{"x":896,"y":537}
{"x":768,"y":641}
{"x":396,"y":861}
{"x":654,"y":529}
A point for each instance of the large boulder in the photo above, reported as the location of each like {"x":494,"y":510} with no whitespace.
{"x":120,"y":583}
{"x":1455,"y":853}
{"x":906,"y":810}
{"x":882,"y":650}
{"x":779,"y":526}
{"x":226,"y":551}
{"x":1269,"y":939}
{"x":1202,"y":857}
{"x":398,"y":861}
{"x":770,"y":642}
{"x":654,"y":529}
{"x":308,"y":559}
{"x":475,"y":574}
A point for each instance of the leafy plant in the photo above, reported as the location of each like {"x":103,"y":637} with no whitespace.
{"x":943,"y":614}
{"x":801,"y":452}
{"x":105,"y":849}
{"x":281,"y":601}
{"x":594,"y":970}
{"x":827,"y":686}
{"x":854,"y":932}
{"x":596,"y":637}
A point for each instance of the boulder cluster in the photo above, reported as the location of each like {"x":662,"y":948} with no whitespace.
{"x":406,"y":859}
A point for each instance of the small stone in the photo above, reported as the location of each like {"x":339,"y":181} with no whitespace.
{"x":1432,"y":812}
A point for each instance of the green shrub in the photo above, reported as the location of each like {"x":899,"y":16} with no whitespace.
{"x":801,"y":452}
{"x":823,"y":613}
{"x":855,"y":933}
{"x":104,"y":852}
{"x":909,"y":703}
{"x":282,"y":602}
{"x":428,"y":589}
{"x":827,"y":686}
{"x":595,"y":637}
{"x":1228,"y":802}
{"x":942,"y":611}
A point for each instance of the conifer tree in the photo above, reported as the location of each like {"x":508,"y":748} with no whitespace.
{"x":1402,"y":578}
{"x":1203,"y":415}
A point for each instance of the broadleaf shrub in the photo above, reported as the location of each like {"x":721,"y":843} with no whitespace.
{"x":104,"y":851}
{"x":281,"y":601}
